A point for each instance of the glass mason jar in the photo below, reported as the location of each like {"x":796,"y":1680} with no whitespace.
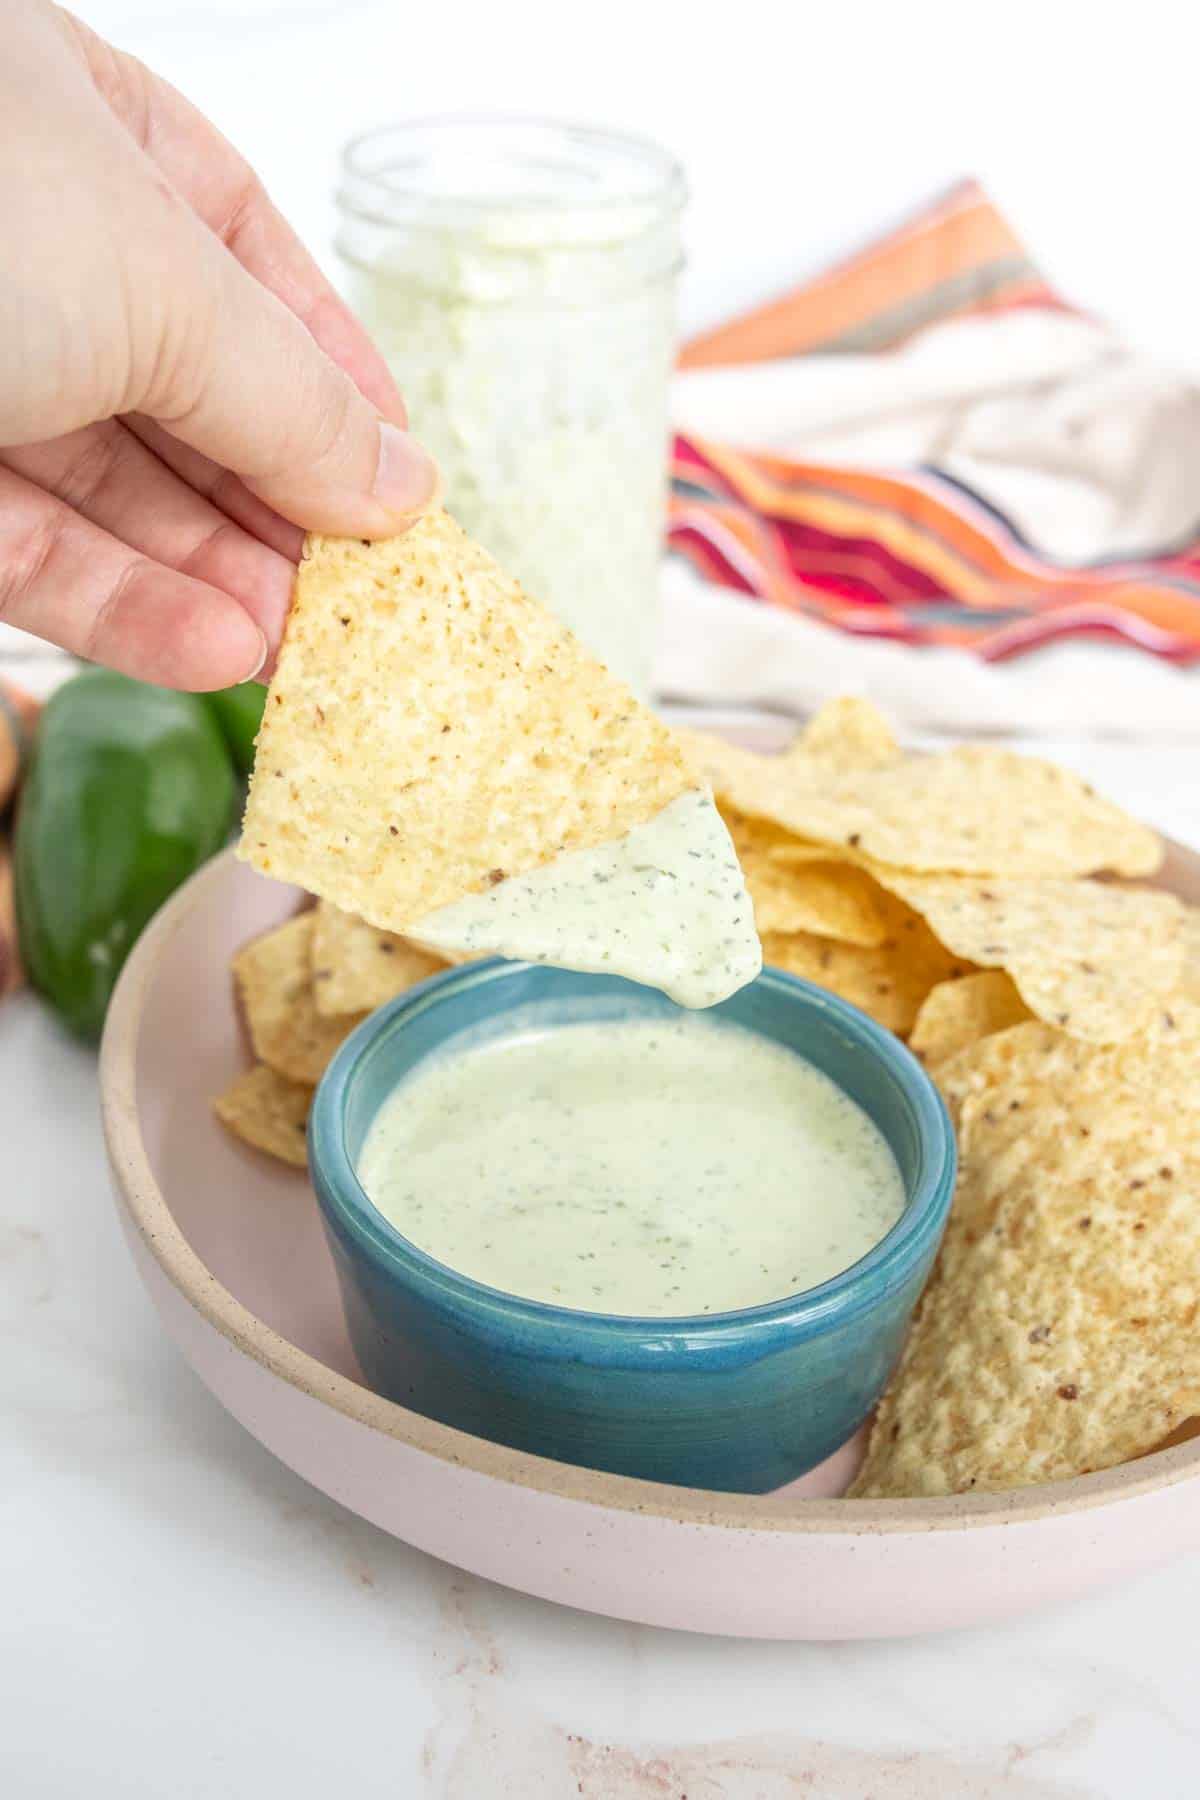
{"x":520,"y":278}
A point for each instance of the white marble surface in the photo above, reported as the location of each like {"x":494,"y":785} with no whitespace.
{"x":181,"y":1616}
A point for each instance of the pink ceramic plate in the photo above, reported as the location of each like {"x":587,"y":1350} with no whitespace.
{"x":230,"y":1247}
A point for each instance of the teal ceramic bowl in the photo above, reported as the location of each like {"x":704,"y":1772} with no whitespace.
{"x":740,"y":1401}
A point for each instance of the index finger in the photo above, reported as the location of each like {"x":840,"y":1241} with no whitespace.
{"x":223,"y":190}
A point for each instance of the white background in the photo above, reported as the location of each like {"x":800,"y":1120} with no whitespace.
{"x":179,"y":1616}
{"x":803,"y":124}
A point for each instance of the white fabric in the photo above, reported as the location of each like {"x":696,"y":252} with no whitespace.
{"x":1089,"y":447}
{"x":719,"y":650}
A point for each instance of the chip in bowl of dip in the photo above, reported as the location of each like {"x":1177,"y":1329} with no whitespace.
{"x":988,"y":908}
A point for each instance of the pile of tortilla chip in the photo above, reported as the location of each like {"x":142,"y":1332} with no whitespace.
{"x":983,"y":905}
{"x":990,"y":909}
{"x":882,"y":875}
{"x":303,"y":988}
{"x":1059,"y":1331}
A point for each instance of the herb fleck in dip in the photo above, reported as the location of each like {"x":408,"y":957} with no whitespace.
{"x":650,"y":1168}
{"x":665,"y":905}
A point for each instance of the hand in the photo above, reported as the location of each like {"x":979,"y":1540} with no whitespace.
{"x":180,"y":389}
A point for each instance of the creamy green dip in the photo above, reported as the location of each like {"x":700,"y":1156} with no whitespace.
{"x":653,"y":1168}
{"x":665,"y":905}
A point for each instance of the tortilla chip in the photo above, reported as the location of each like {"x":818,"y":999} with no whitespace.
{"x":724,"y":766}
{"x":889,"y":981}
{"x":1058,"y":1334}
{"x":266,"y":1110}
{"x":1033,"y":1062}
{"x":1090,"y":957}
{"x":788,"y":849}
{"x":777,"y":907}
{"x":844,"y":736}
{"x":274,"y":978}
{"x":969,"y":811}
{"x":1191,"y":952}
{"x":830,"y":899}
{"x":356,"y":967}
{"x":810,"y":893}
{"x":958,"y":1013}
{"x":1183,"y":1434}
{"x":430,"y":727}
{"x":848,"y":733}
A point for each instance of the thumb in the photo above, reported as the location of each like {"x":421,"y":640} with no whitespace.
{"x":243,"y":382}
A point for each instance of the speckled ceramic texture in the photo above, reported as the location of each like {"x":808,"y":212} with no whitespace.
{"x":232,"y":1252}
{"x":741,"y":1401}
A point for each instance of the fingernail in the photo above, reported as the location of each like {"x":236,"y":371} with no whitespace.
{"x":264,"y":648}
{"x":406,"y":479}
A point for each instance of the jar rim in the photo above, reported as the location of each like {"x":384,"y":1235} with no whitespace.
{"x":380,"y":169}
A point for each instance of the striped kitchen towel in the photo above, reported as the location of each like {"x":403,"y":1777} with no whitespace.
{"x":962,"y":494}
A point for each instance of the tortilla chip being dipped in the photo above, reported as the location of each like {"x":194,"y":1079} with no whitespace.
{"x":432,"y":735}
{"x":430,"y":729}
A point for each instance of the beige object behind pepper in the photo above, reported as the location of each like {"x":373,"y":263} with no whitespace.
{"x":18,"y":712}
{"x":12,"y":975}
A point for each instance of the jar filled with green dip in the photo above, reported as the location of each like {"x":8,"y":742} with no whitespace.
{"x":520,"y":278}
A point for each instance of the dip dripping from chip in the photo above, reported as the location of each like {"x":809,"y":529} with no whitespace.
{"x":665,"y":905}
{"x":613,"y":854}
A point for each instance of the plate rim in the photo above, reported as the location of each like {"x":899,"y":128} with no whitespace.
{"x":151,"y":1216}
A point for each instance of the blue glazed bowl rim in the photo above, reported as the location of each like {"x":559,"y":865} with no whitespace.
{"x":856,"y":1289}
